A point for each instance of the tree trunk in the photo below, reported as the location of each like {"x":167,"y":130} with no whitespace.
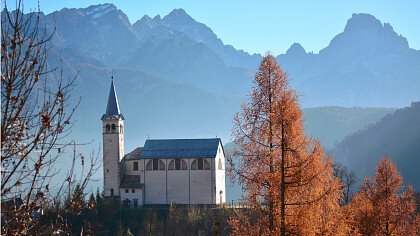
{"x":282,"y":191}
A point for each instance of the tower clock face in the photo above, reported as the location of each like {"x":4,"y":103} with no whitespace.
{"x":109,"y":140}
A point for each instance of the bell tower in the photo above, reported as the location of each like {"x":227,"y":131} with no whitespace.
{"x":113,"y":143}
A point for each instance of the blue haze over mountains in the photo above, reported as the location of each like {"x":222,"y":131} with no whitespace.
{"x":176,"y":79}
{"x":175,"y":75}
{"x":368,"y":64}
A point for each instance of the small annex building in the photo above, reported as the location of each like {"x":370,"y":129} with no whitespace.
{"x":163,"y":171}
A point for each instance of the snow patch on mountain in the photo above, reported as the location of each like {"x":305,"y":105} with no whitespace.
{"x":97,"y":11}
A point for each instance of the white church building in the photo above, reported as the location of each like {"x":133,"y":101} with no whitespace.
{"x":163,"y":171}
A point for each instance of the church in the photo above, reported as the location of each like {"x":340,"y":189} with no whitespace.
{"x":163,"y":171}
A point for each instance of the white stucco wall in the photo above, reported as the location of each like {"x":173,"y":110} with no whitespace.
{"x":201,"y":186}
{"x":220,"y":177}
{"x":155,"y":185}
{"x":129,"y":170}
{"x":178,"y":187}
{"x":131,"y":196}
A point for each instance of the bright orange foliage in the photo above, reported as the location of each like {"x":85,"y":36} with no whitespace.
{"x":289,"y":183}
{"x":382,"y":207}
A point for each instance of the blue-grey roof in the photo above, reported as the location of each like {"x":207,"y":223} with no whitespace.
{"x":112,"y":109}
{"x":180,"y":148}
{"x":131,"y":181}
{"x":134,"y":155}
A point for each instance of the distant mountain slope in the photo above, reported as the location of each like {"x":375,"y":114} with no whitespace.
{"x":396,"y":135}
{"x":331,"y":124}
{"x":102,"y":32}
{"x":179,"y":20}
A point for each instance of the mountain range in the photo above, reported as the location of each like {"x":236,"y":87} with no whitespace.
{"x":175,"y":78}
{"x":368,"y":64}
{"x":164,"y":64}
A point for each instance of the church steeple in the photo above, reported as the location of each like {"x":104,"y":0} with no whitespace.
{"x":113,"y":143}
{"x":112,"y":108}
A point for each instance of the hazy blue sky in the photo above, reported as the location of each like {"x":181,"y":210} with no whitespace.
{"x":260,"y":26}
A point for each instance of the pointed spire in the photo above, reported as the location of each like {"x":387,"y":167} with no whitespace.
{"x":112,"y":109}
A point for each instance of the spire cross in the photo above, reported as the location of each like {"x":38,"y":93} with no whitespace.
{"x":112,"y":74}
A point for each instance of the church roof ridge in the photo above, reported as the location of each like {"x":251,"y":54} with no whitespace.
{"x":179,"y":139}
{"x":180,"y":148}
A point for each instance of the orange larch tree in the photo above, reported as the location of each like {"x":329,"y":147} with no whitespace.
{"x":383,"y":206}
{"x":288,"y":181}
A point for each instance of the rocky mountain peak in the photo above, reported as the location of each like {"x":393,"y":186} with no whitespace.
{"x":296,"y":50}
{"x":362,"y":22}
{"x":157,"y":18}
{"x":179,"y":13}
{"x":146,"y":23}
{"x":96,"y":11}
{"x":178,"y":18}
{"x":366,"y":35}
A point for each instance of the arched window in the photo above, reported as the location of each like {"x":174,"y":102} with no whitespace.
{"x":121,"y":129}
{"x":184,"y":165}
{"x":200,"y":164}
{"x":161,"y":165}
{"x":177,"y":164}
{"x":206,"y":165}
{"x":113,"y":126}
{"x":171,"y":165}
{"x":107,"y":127}
{"x":194,"y":165}
{"x":149,"y":165}
{"x":155,"y":164}
{"x":220,"y":165}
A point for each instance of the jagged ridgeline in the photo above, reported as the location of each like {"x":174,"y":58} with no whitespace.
{"x":368,"y":64}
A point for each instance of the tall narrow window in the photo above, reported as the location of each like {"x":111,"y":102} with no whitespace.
{"x":113,"y":126}
{"x":155,"y":164}
{"x":177,"y":164}
{"x":200,"y":163}
{"x":135,"y":166}
{"x":220,"y":165}
{"x":107,"y":127}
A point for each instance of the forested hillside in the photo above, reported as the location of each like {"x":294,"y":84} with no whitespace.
{"x":396,"y":135}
